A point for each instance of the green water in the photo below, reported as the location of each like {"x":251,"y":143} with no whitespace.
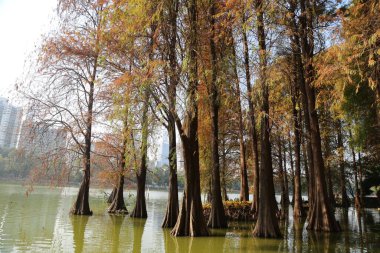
{"x":40,"y":223}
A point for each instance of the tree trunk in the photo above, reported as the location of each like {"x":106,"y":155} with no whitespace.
{"x":139,"y":210}
{"x":118,"y":206}
{"x":345,"y":201}
{"x":321,"y":215}
{"x":252,"y":121}
{"x":81,"y":205}
{"x":281,"y":179}
{"x":172,"y":208}
{"x":286,"y":181}
{"x":112,"y":195}
{"x":298,"y":210}
{"x":330,"y":189}
{"x":223,"y":173}
{"x":244,"y":189}
{"x":267,"y":223}
{"x":355,"y":168}
{"x":297,"y":44}
{"x":217,"y":217}
{"x":191,"y":221}
{"x":291,"y":164}
{"x":362,"y":204}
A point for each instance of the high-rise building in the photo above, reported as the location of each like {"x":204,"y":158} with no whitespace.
{"x":10,"y":122}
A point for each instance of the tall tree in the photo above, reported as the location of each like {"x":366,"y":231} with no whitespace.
{"x":191,"y":221}
{"x":251,"y":113}
{"x":321,"y":215}
{"x":217,"y":216}
{"x":170,"y":37}
{"x":267,"y":223}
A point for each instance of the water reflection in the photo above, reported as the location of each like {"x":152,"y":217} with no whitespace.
{"x":79,"y":227}
{"x":298,"y":225}
{"x":117,"y":222}
{"x":40,"y":223}
{"x":138,"y":230}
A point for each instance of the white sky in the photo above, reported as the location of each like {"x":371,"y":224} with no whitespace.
{"x":22,"y":22}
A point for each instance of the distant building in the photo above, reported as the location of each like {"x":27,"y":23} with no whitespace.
{"x":162,"y":154}
{"x":41,"y":138}
{"x":163,"y":151}
{"x":10,"y":122}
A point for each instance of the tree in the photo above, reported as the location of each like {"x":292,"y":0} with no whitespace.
{"x":69,"y":70}
{"x":191,"y":221}
{"x":321,"y":216}
{"x":217,"y":216}
{"x":267,"y":224}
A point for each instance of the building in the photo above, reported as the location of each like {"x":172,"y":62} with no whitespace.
{"x":10,"y":122}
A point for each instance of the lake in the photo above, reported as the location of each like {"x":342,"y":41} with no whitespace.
{"x":41,"y":223}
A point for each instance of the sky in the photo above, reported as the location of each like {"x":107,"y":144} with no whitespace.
{"x":22,"y":22}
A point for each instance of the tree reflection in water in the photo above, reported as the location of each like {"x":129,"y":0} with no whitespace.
{"x":79,"y":223}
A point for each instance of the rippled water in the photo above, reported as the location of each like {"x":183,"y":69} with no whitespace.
{"x":40,"y":223}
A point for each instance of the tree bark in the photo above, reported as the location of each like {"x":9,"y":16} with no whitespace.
{"x":252,"y":121}
{"x":190,"y":220}
{"x":267,"y":223}
{"x":217,"y":217}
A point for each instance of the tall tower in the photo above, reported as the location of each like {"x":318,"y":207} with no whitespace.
{"x":10,"y":122}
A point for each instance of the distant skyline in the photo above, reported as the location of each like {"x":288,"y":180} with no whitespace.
{"x":22,"y":22}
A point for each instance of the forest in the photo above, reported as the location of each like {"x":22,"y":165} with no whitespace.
{"x":281,"y":95}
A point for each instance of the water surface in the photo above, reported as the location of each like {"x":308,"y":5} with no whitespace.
{"x":41,"y":223}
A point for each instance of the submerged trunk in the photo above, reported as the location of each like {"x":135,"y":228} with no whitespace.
{"x":112,"y":195}
{"x":81,"y":205}
{"x":118,"y":205}
{"x":217,"y":217}
{"x":267,"y":223}
{"x":191,"y":221}
{"x":171,"y":214}
{"x":252,"y":125}
{"x":139,"y":210}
